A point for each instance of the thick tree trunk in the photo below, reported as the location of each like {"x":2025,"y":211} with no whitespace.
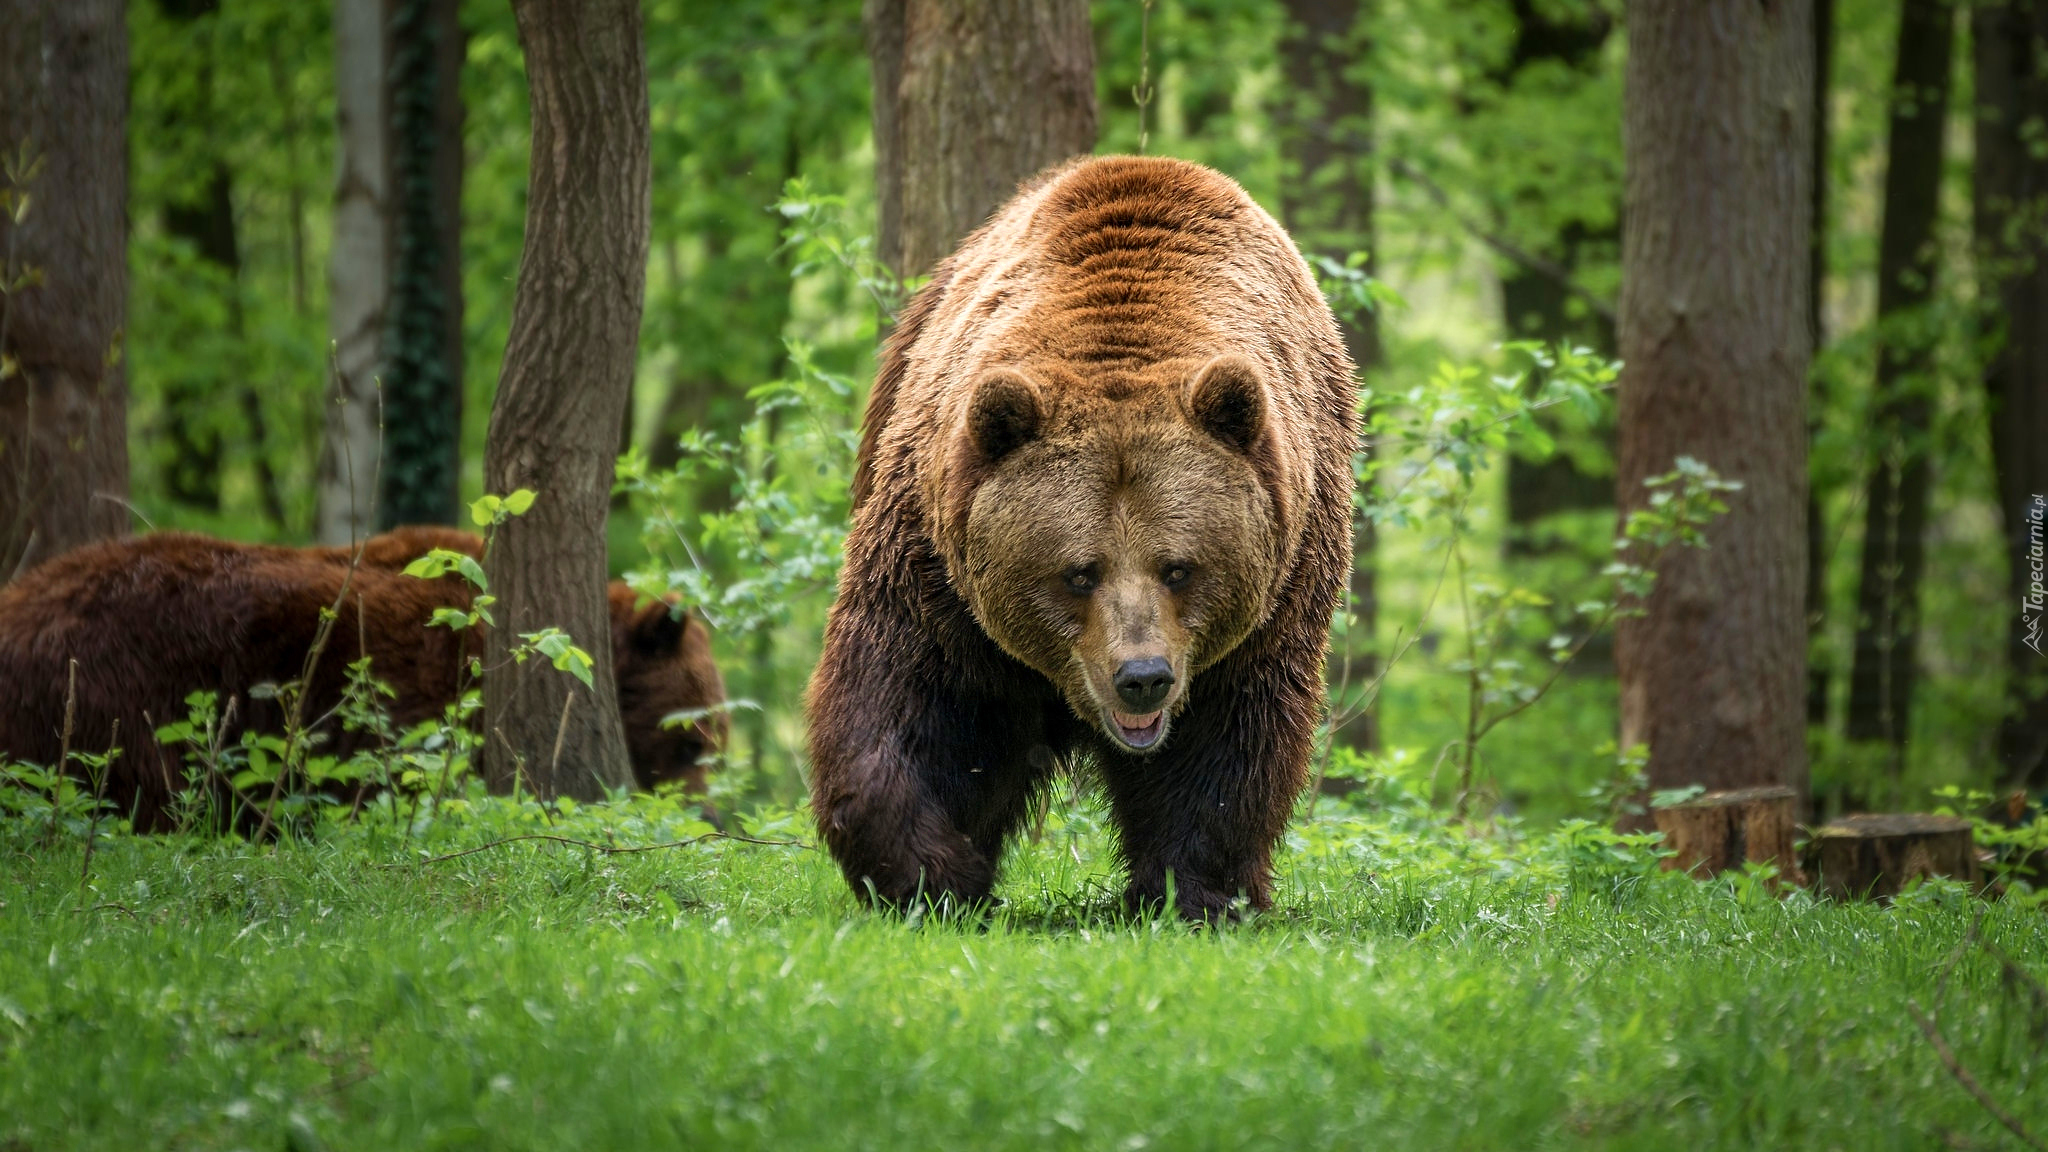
{"x":423,"y":333}
{"x":568,"y":373}
{"x":1715,"y":346}
{"x":970,"y":100}
{"x":1327,"y":199}
{"x":1895,"y":503}
{"x":359,"y":277}
{"x":2011,"y":202}
{"x":63,"y":393}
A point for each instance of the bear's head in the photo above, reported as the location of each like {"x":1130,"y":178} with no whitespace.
{"x":663,"y":666}
{"x":1118,"y":538}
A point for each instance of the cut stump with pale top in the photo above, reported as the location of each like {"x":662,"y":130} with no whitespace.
{"x":1713,"y":833}
{"x":1877,"y":855}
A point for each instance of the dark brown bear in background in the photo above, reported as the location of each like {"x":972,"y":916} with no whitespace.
{"x":154,"y":618}
{"x":1102,"y":506}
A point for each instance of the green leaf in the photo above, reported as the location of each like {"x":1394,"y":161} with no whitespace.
{"x":518,"y":502}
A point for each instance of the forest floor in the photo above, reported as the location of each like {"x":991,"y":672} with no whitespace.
{"x":1414,"y":987}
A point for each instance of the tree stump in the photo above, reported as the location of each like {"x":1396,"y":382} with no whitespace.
{"x":1877,"y":855}
{"x":1723,"y":830}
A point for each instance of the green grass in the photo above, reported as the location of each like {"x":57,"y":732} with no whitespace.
{"x":1413,"y":989}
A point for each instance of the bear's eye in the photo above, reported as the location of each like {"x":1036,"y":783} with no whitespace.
{"x":1081,"y":581}
{"x":1175,"y":575}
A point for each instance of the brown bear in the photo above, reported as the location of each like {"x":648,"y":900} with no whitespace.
{"x":153,"y":618}
{"x":1102,"y":507}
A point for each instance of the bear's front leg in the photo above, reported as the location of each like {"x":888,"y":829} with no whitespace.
{"x":916,"y":779}
{"x":1209,"y":808}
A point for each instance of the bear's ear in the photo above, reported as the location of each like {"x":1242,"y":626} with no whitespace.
{"x":1227,"y":399}
{"x":1007,"y":413}
{"x":658,"y":629}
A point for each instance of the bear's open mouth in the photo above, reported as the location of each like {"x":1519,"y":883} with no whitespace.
{"x":1139,"y":731}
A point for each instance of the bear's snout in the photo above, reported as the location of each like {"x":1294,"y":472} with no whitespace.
{"x":1143,"y":684}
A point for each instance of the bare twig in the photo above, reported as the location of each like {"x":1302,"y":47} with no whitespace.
{"x":1962,"y":1076}
{"x":1930,"y":1026}
{"x":606,"y":849}
{"x":64,"y":743}
{"x":99,"y":798}
{"x":1372,"y":690}
{"x":1549,"y":269}
{"x":561,"y":732}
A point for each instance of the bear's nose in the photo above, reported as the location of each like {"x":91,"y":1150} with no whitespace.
{"x":1143,"y":684}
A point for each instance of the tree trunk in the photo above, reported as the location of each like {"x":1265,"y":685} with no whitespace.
{"x":971,"y":100}
{"x":1715,"y":346}
{"x":423,"y":333}
{"x":2010,"y":204}
{"x":63,"y":392}
{"x":359,"y":278}
{"x":568,"y":372}
{"x":1327,"y":199}
{"x":1875,"y":856}
{"x":1895,"y":503}
{"x":1818,"y":671}
{"x":1720,"y":831}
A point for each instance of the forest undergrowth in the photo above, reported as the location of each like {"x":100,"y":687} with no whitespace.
{"x":496,"y":974}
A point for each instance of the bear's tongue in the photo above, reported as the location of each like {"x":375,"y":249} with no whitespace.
{"x":1138,"y":731}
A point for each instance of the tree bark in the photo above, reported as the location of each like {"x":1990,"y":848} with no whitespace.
{"x":63,"y":391}
{"x":423,"y":334}
{"x":1327,"y":200}
{"x":359,"y":277}
{"x":1875,"y":856}
{"x":568,"y":373}
{"x":1720,"y":831}
{"x":1715,"y":346}
{"x":971,"y":100}
{"x":2010,"y":218}
{"x":1895,"y":503}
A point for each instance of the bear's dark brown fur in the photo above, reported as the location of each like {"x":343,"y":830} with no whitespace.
{"x":1102,"y":507}
{"x":153,"y":618}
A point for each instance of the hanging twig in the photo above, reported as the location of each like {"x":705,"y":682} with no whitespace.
{"x":99,"y":798}
{"x":1141,"y":92}
{"x":1549,"y":269}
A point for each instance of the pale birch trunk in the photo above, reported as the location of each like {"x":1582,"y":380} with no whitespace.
{"x":360,"y":276}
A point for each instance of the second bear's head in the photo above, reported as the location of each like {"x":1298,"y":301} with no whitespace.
{"x":1119,"y":534}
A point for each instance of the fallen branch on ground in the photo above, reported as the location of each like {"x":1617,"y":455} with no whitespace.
{"x":606,"y":849}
